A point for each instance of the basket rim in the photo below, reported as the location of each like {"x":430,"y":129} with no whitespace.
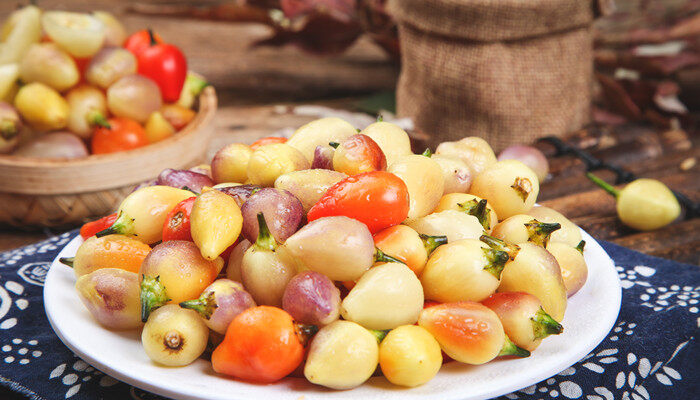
{"x":105,"y":172}
{"x":206,"y":111}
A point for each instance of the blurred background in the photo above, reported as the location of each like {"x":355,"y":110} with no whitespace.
{"x":279,"y":64}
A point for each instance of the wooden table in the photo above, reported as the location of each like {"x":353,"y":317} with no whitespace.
{"x":253,"y":82}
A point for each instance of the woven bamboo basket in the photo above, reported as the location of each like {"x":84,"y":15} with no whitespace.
{"x":59,"y":193}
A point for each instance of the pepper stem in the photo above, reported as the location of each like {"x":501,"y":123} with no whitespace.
{"x":380,"y":118}
{"x":432,"y":242}
{"x":496,"y":261}
{"x":498,"y":244}
{"x":379,"y":334}
{"x":189,"y":190}
{"x":511,"y":349}
{"x":539,"y":232}
{"x":543,"y":325}
{"x":603,"y":185}
{"x":204,"y":305}
{"x":152,"y":37}
{"x":153,"y":295}
{"x":334,"y":144}
{"x":304,"y":332}
{"x":196,"y":84}
{"x":522,"y":187}
{"x":580,"y":246}
{"x":479,"y":210}
{"x":67,"y":261}
{"x":123,"y":225}
{"x":95,"y":117}
{"x":427,"y":152}
{"x":8,"y":129}
{"x":380,"y":256}
{"x":265,"y":240}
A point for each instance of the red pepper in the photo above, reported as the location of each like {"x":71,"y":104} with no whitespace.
{"x":121,"y":135}
{"x":177,"y":223}
{"x":166,"y":65}
{"x":82,"y":64}
{"x":430,"y":303}
{"x":140,"y":41}
{"x":92,"y":227}
{"x":379,"y":199}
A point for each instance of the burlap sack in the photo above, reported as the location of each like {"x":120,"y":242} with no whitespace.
{"x":509,"y":71}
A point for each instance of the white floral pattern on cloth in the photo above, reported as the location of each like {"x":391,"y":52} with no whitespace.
{"x":74,"y":375}
{"x":630,"y":380}
{"x":19,"y":352}
{"x":665,"y":298}
{"x":649,"y":354}
{"x":631,"y":276}
{"x":34,"y":272}
{"x":11,"y":294}
{"x":632,"y":371}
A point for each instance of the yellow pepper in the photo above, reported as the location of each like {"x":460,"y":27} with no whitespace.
{"x":215,"y":222}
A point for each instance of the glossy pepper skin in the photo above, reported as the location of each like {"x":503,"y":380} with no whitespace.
{"x":123,"y":134}
{"x":215,"y":223}
{"x":378,"y":199}
{"x":92,"y":227}
{"x":141,"y":40}
{"x":358,"y":154}
{"x":166,"y":65}
{"x":111,"y":251}
{"x":261,"y":345}
{"x":177,"y":223}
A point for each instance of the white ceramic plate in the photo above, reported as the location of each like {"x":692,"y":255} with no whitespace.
{"x":590,"y":315}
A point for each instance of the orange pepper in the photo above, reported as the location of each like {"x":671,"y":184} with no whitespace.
{"x":123,"y":134}
{"x":111,"y":251}
{"x":468,"y":332}
{"x":261,"y":345}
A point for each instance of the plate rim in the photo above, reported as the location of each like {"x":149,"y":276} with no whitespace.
{"x":191,"y":395}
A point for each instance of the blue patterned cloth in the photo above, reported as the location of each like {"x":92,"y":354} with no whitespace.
{"x":651,"y":353}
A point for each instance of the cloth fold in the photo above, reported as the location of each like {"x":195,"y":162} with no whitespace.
{"x":651,"y":353}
